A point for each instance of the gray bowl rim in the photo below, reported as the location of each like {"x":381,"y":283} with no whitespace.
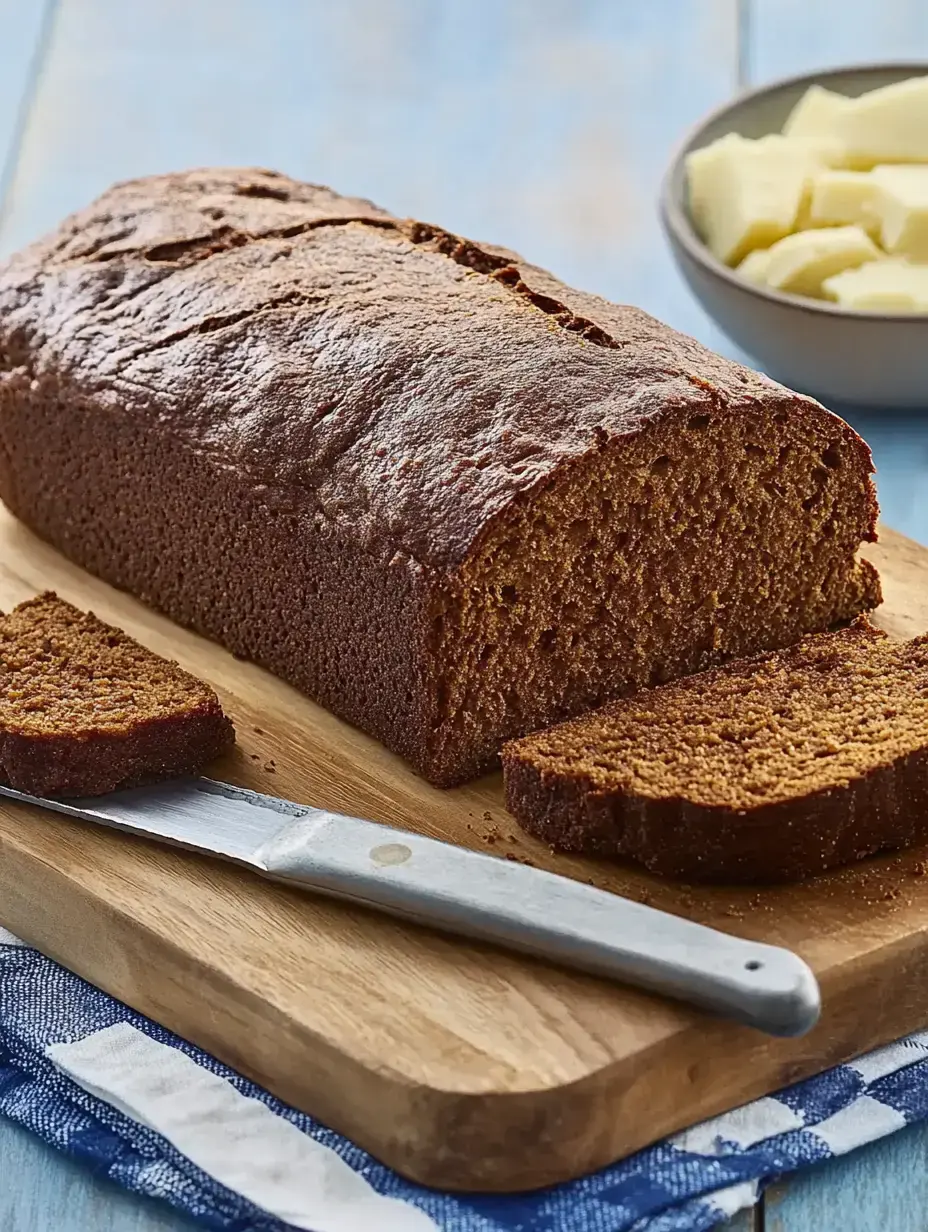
{"x":677,"y":223}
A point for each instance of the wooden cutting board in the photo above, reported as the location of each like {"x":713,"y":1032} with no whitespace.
{"x":459,"y":1065}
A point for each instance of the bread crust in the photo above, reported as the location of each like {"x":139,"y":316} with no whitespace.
{"x":788,"y":841}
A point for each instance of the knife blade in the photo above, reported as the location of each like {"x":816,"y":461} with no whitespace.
{"x":468,"y":893}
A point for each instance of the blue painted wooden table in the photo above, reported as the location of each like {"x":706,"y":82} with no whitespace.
{"x":540,"y":125}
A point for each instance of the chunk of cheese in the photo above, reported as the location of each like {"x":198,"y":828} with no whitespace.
{"x":902,"y":207}
{"x":889,"y":125}
{"x":800,"y":263}
{"x":812,"y":121}
{"x":753,"y":194}
{"x":842,"y":198}
{"x":881,"y":286}
{"x":701,"y":170}
{"x":754,"y":266}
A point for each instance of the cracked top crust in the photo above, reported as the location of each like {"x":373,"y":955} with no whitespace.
{"x":382,"y":372}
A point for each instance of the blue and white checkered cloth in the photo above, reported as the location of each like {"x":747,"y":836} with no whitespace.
{"x":162,"y":1118}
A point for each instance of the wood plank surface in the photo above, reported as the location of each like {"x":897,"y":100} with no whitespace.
{"x":23,"y":28}
{"x":788,"y":37}
{"x":457,"y":1064}
{"x":883,"y":1187}
{"x":747,"y":1221}
{"x":67,"y":1196}
{"x":529,"y":123}
{"x":899,"y":441}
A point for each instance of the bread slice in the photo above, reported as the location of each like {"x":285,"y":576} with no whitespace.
{"x":85,"y":709}
{"x":771,"y":768}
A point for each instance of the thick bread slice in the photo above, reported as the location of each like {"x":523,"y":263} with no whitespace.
{"x":85,"y":709}
{"x":771,"y":768}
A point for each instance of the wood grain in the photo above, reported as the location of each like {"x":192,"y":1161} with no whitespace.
{"x":788,"y":37}
{"x":458,"y":1065}
{"x":22,"y":27}
{"x":746,"y":1221}
{"x":883,"y":1186}
{"x":68,"y":1196}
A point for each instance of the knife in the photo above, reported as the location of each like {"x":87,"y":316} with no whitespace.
{"x":469,"y":893}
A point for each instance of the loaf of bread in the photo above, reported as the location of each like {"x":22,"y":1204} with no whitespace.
{"x":771,"y":768}
{"x":450,"y":498}
{"x":85,"y":709}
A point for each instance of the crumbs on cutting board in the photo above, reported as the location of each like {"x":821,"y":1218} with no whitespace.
{"x":876,"y":884}
{"x":492,"y":836}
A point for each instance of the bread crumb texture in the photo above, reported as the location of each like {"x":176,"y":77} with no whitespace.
{"x":84,"y":708}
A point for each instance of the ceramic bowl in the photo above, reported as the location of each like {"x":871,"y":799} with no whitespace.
{"x":837,"y":354}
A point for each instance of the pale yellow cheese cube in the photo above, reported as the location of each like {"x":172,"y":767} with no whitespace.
{"x":889,"y":125}
{"x":842,"y":198}
{"x":881,"y":286}
{"x":701,"y":170}
{"x":754,"y":266}
{"x":812,"y":121}
{"x":754,"y":193}
{"x":804,"y":217}
{"x":800,"y":263}
{"x":902,"y":207}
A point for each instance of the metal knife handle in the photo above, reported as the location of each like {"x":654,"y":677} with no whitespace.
{"x":552,"y":917}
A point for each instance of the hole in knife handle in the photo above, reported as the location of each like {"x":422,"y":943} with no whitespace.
{"x":753,"y":965}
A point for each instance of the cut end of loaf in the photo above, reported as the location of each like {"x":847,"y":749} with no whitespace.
{"x":709,"y":535}
{"x":85,"y":709}
{"x":771,"y":768}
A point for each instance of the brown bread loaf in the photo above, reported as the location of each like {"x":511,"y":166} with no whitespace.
{"x":447,"y":496}
{"x":771,"y":768}
{"x":85,"y":709}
